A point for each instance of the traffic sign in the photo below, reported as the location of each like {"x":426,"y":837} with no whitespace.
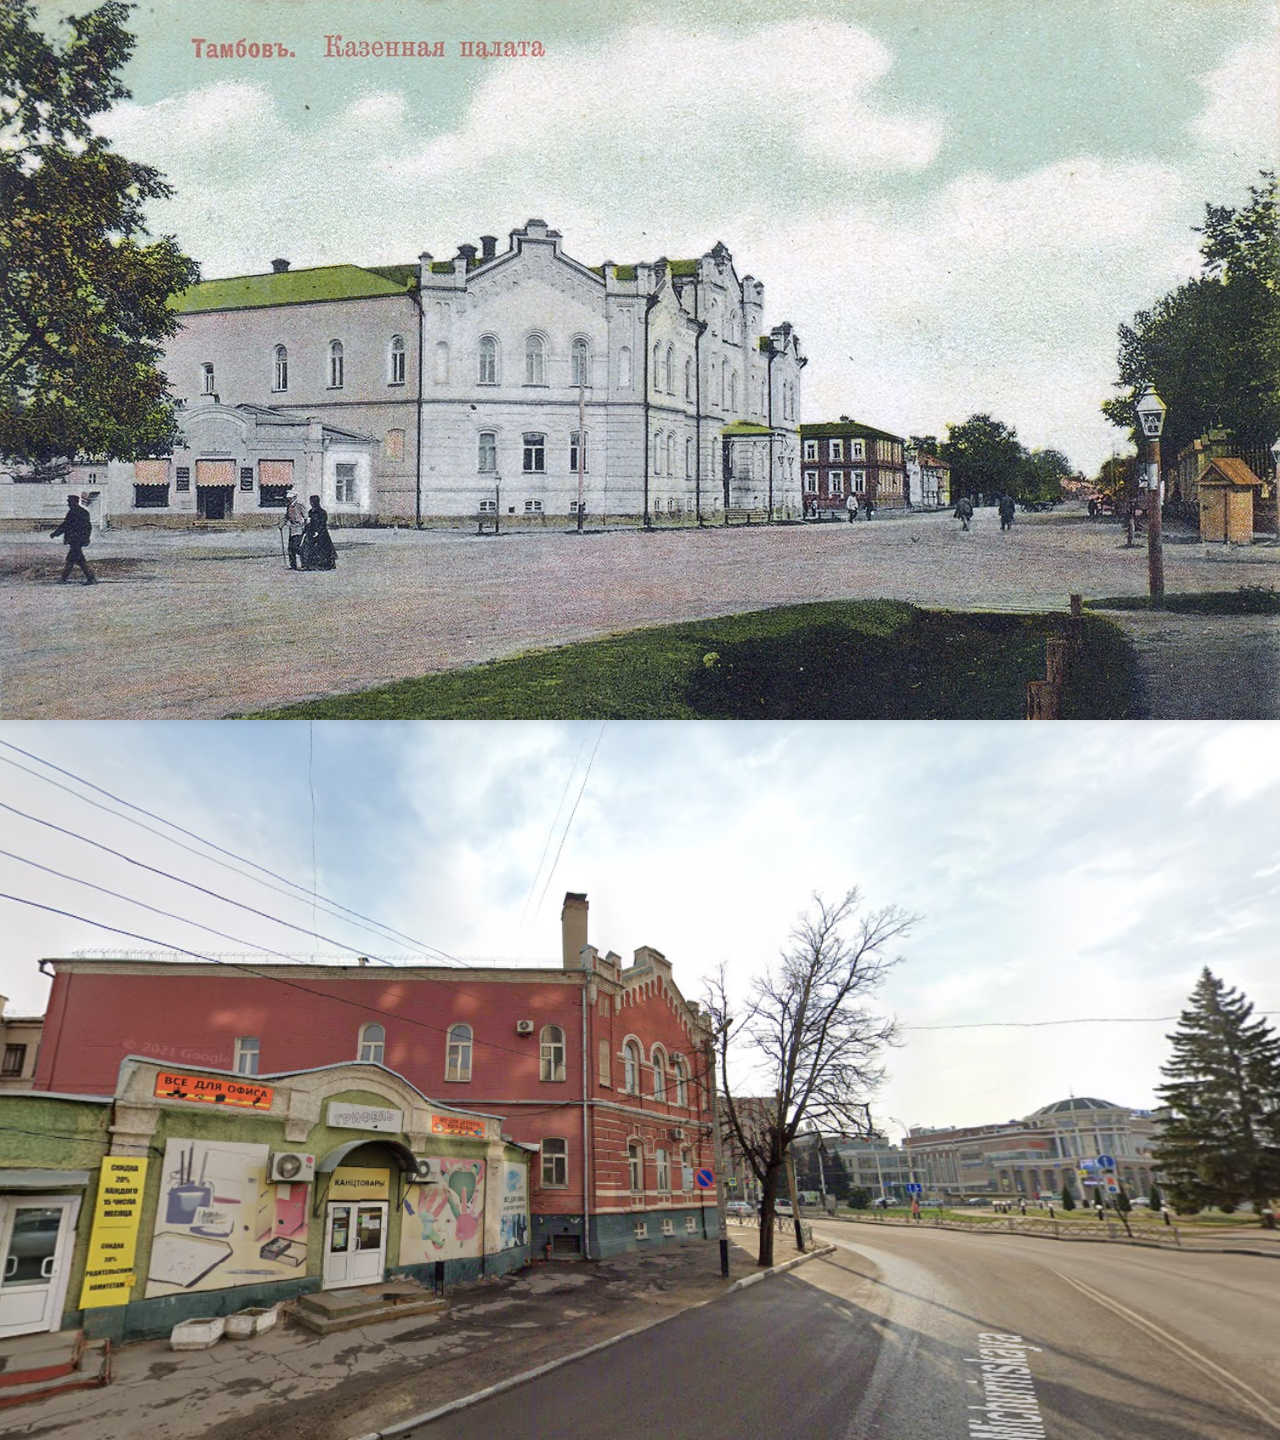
{"x":704,"y":1179}
{"x":1106,"y":1162}
{"x":915,"y":1189}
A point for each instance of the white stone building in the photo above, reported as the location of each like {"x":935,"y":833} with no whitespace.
{"x":481,"y":385}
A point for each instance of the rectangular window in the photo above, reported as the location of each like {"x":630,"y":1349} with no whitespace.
{"x":857,"y":450}
{"x":810,"y":449}
{"x":182,"y":479}
{"x":690,"y":1224}
{"x":664,"y":1171}
{"x":150,"y":497}
{"x":640,"y":1229}
{"x":859,"y":481}
{"x":555,"y":1164}
{"x":835,"y":449}
{"x":344,"y":484}
{"x":15,"y":1058}
{"x":273,"y":497}
{"x":573,"y":453}
{"x":668,"y":1227}
{"x":393,"y":447}
{"x":811,"y":481}
{"x":835,"y":479}
{"x":487,"y":453}
{"x":606,"y":1065}
{"x":246,"y":1055}
{"x":535,"y":454}
{"x":246,"y":477}
{"x":635,"y":1165}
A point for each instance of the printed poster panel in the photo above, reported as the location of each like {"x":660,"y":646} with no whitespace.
{"x":213,"y":1090}
{"x":513,"y":1213}
{"x":457,"y":1125}
{"x":220,"y":1222}
{"x":443,"y":1215}
{"x":113,"y":1241}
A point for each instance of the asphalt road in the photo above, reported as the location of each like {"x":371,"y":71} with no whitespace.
{"x":882,"y":1341}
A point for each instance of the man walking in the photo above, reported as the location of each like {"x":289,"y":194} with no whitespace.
{"x":964,"y":511}
{"x":75,"y":531}
{"x":295,"y":517}
{"x":851,"y":505}
{"x":1007,"y":509}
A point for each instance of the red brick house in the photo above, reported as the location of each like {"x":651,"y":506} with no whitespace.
{"x":600,"y":1065}
{"x":842,"y":457}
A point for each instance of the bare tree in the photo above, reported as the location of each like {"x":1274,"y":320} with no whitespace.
{"x":813,"y":1044}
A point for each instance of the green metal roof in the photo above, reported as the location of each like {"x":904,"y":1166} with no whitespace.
{"x":289,"y":287}
{"x":745,"y":427}
{"x":683,"y":267}
{"x":847,"y":427}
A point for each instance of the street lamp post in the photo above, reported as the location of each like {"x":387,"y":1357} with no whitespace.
{"x":1151,"y":411}
{"x":1275,"y":484}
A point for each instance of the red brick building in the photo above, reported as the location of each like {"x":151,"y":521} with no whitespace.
{"x":602,"y":1066}
{"x":843,"y":458}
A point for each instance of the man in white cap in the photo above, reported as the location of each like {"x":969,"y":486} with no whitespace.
{"x":295,"y":517}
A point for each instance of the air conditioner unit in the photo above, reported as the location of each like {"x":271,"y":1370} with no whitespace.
{"x":677,"y":1132}
{"x":287,"y":1166}
{"x":524,"y":1027}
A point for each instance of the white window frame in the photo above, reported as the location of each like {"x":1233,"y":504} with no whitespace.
{"x":691,"y":1224}
{"x":346,"y":482}
{"x":857,"y":449}
{"x":680,"y":1077}
{"x":337,"y":365}
{"x":280,"y":368}
{"x":662,"y":1162}
{"x":635,"y":1166}
{"x":535,"y":359}
{"x":835,"y":448}
{"x":208,"y":383}
{"x":626,"y":370}
{"x":658,"y":1059}
{"x":559,"y":1166}
{"x":811,"y":482}
{"x":370,"y":1048}
{"x":810,"y":449}
{"x":396,"y":360}
{"x":640,"y":1229}
{"x":859,"y":481}
{"x":580,"y":362}
{"x":534,"y":461}
{"x":460,"y":1041}
{"x":835,"y":482}
{"x":631,"y":1065}
{"x":247,"y":1055}
{"x":552,"y":1053}
{"x":574,"y":437}
{"x":487,"y":450}
{"x":487,"y":360}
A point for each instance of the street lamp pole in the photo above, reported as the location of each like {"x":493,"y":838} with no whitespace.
{"x":1275,"y":484}
{"x":1151,"y":411}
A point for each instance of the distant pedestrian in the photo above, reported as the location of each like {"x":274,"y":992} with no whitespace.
{"x":1093,"y":509}
{"x":1022,"y":1207}
{"x":1099,"y":1209}
{"x":915,"y":1208}
{"x":964,"y":511}
{"x":295,"y":521}
{"x":851,"y":505}
{"x":1166,"y":1215}
{"x":1006,"y":508}
{"x":76,"y":528}
{"x":1050,"y":1209}
{"x":870,"y":507}
{"x":317,"y":548}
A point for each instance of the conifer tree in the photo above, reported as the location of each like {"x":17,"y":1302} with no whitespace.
{"x":1221,"y":1141}
{"x":1068,"y":1199}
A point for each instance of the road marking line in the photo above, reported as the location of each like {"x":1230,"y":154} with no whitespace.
{"x":1243,"y":1391}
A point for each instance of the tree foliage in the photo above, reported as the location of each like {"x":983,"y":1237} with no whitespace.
{"x":1220,"y":1143}
{"x":987,"y":458}
{"x":83,"y":294}
{"x":808,"y":1036}
{"x":1211,"y":347}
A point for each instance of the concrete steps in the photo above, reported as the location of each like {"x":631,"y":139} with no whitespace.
{"x":327,"y":1311}
{"x":33,"y":1367}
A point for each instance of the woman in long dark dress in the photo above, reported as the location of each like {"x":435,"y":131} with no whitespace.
{"x":317,"y":548}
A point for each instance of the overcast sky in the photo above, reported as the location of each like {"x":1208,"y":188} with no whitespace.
{"x":955,"y":201}
{"x":1060,"y":871}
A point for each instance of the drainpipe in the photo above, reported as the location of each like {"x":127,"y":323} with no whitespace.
{"x":424,"y":262}
{"x":770,"y":355}
{"x":648,"y":310}
{"x":586,"y":1134}
{"x":697,"y":402}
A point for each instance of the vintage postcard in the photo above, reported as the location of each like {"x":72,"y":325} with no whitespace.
{"x":705,"y":360}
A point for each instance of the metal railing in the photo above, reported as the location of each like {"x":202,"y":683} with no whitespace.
{"x":784,"y":1224}
{"x":1125,"y":1232}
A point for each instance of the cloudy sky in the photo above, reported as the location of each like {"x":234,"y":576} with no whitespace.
{"x":1061,"y":872}
{"x":955,"y":201}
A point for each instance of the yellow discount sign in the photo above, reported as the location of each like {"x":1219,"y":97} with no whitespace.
{"x":113,"y":1241}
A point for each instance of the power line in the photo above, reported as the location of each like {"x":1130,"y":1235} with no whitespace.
{"x":331,"y":907}
{"x":572,"y":813}
{"x":555,"y":820}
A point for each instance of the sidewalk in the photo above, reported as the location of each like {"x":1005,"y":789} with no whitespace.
{"x":292,"y":1385}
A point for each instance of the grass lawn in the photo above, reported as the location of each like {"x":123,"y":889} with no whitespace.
{"x":873,"y":660}
{"x":1246,"y":600}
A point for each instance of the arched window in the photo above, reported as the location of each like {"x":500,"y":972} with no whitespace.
{"x":487,"y":458}
{"x":657,"y":365}
{"x":488,"y":360}
{"x":635,"y":1165}
{"x":688,"y":379}
{"x":552,"y":1053}
{"x":659,"y":1075}
{"x":631,"y":1068}
{"x":395,"y":361}
{"x":335,"y":365}
{"x":663,"y":1167}
{"x":281,"y":379}
{"x":535,"y":360}
{"x":457,"y":1065}
{"x":724,"y":382}
{"x":442,"y":363}
{"x":733,"y":392}
{"x":624,"y":368}
{"x":680,"y":1075}
{"x":581,"y":362}
{"x":671,"y":454}
{"x":669,"y":371}
{"x":657,"y":452}
{"x":373,"y":1044}
{"x":206,"y":377}
{"x":688,"y":458}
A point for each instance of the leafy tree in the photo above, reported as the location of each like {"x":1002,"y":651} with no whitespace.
{"x":1212,"y":346}
{"x":82,"y":294}
{"x":805,"y":1031}
{"x":1115,"y":479}
{"x":924,"y":444}
{"x":1068,"y":1199}
{"x":1220,"y":1142}
{"x":1043,"y":472}
{"x":985,"y":457}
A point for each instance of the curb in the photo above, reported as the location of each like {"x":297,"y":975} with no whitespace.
{"x":406,"y":1429}
{"x":778,"y":1269}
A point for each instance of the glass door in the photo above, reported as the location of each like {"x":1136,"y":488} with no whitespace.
{"x":35,"y":1237}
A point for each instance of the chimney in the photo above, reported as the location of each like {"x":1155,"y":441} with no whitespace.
{"x":573,"y":929}
{"x":467,"y":253}
{"x":279,"y":266}
{"x":488,"y":246}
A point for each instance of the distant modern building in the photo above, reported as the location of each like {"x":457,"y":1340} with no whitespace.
{"x":19,"y":1047}
{"x":843,"y":457}
{"x":1039,"y":1154}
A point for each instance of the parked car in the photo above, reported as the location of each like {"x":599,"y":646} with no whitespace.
{"x":977,"y":1200}
{"x":783,"y":1207}
{"x":739,"y":1208}
{"x":1140,"y":1200}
